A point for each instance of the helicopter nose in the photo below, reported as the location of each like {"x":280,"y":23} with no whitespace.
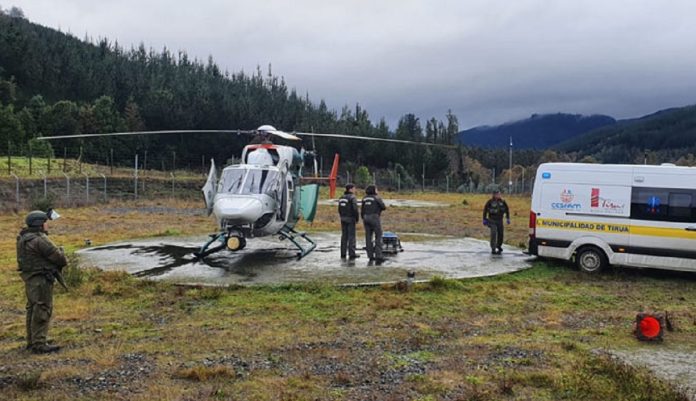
{"x":238,"y":210}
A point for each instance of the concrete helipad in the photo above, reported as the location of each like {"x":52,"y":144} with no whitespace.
{"x":270,"y":261}
{"x":394,"y":203}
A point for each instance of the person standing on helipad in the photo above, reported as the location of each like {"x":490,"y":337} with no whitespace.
{"x":493,"y":213}
{"x":39,"y":262}
{"x":371,"y":211}
{"x":348,"y":211}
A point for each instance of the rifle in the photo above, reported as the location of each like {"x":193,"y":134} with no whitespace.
{"x":58,"y":276}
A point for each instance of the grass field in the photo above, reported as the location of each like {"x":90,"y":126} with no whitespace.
{"x":533,"y":335}
{"x":20,"y":166}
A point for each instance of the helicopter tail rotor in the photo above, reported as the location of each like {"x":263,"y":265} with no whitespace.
{"x":333,"y":177}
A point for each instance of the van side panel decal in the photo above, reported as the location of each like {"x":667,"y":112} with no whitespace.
{"x":605,"y":200}
{"x":590,"y":226}
{"x":612,"y":228}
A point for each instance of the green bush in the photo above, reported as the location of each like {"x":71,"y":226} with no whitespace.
{"x":362,"y":176}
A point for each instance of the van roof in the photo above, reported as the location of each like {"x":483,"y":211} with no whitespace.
{"x":615,"y":167}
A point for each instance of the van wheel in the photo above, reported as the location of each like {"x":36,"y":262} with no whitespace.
{"x":591,"y":260}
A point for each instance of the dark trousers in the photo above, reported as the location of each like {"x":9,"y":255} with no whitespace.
{"x":347,"y":238}
{"x":373,"y":227}
{"x":497,"y":233}
{"x":39,"y":292}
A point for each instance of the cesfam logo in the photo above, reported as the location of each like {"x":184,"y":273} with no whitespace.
{"x":566,"y":203}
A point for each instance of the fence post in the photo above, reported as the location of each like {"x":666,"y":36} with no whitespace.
{"x":67,"y":190}
{"x":16,"y":188}
{"x":49,"y":162}
{"x":111,"y":162}
{"x":447,"y":178}
{"x":398,"y":182}
{"x":135,"y":176}
{"x":86,"y":186}
{"x":45,"y":186}
{"x":31,"y":169}
{"x":172,"y":175}
{"x":104,"y":178}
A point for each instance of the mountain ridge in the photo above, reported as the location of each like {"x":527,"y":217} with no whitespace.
{"x":539,"y":131}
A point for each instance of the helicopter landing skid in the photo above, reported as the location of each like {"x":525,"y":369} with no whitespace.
{"x":204,"y":251}
{"x":288,"y":233}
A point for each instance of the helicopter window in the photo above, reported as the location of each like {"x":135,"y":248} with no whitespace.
{"x":261,"y":181}
{"x":232,"y":180}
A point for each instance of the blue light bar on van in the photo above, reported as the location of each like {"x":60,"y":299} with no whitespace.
{"x":545,"y":175}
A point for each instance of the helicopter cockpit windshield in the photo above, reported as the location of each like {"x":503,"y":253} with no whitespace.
{"x":250,"y":181}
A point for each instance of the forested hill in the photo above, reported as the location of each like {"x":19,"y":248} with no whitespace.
{"x":52,"y":83}
{"x":667,"y":136}
{"x":537,"y":132}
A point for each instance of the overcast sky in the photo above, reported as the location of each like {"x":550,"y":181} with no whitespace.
{"x":490,"y":61}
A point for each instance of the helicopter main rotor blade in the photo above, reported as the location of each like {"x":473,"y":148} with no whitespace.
{"x":50,"y":138}
{"x":275,"y":132}
{"x":370,"y":138}
{"x":283,"y":135}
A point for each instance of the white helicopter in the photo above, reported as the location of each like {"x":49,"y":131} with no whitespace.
{"x":262,"y":195}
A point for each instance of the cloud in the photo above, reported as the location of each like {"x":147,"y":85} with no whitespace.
{"x":488,"y":61}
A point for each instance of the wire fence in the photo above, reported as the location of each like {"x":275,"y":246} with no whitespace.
{"x":396,"y":182}
{"x":34,"y":182}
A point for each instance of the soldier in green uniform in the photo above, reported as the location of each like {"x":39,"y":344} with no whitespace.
{"x":493,"y":213}
{"x":39,"y":262}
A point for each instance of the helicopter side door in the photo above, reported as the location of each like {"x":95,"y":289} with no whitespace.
{"x":210,"y":188}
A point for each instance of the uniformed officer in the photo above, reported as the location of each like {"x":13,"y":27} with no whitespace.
{"x":493,"y":213}
{"x":348,"y":211}
{"x":372,"y":207}
{"x":39,"y":260}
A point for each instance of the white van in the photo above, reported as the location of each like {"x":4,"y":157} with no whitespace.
{"x":629,"y":215}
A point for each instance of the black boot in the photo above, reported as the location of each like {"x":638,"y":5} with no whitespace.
{"x":44,"y":349}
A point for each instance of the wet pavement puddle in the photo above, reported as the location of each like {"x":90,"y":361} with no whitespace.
{"x":269,"y":261}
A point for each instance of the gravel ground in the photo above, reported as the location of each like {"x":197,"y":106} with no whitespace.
{"x":677,"y":366}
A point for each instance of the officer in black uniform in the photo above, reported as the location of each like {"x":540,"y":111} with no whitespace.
{"x":372,"y":207}
{"x":348,"y":210}
{"x":493,"y":213}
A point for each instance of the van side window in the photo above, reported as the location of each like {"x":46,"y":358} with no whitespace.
{"x":649,"y":204}
{"x":661,"y":204}
{"x":680,"y":206}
